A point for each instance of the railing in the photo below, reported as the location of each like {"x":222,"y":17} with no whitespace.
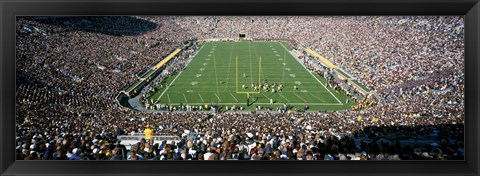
{"x":139,"y":136}
{"x":133,"y":139}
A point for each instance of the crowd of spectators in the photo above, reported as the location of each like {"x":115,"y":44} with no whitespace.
{"x":70,"y":69}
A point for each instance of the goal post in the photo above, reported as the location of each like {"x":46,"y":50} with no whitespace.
{"x":259,"y":79}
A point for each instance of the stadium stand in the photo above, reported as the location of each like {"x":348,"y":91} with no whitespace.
{"x":69,"y":71}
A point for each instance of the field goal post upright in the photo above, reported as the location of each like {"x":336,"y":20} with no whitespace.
{"x":259,"y":79}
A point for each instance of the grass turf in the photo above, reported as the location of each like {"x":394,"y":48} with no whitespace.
{"x":211,"y":78}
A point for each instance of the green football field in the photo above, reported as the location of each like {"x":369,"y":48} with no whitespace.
{"x":223,"y":73}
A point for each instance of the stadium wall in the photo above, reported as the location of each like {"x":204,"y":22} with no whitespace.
{"x":122,"y":100}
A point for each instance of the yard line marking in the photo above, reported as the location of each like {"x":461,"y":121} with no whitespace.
{"x":215,"y":67}
{"x":284,"y":65}
{"x":185,"y":98}
{"x":168,"y":87}
{"x":284,"y":97}
{"x":316,"y":79}
{"x":312,"y":104}
{"x":168,"y":95}
{"x":158,"y":99}
{"x":218,"y":97}
{"x":326,"y":88}
{"x":316,"y":97}
{"x":196,"y":53}
{"x":233,"y":96}
{"x":229,"y":63}
{"x":250,"y":55}
{"x":255,"y":50}
{"x":201,"y":97}
{"x":264,"y":95}
{"x":253,"y":92}
{"x":300,"y":97}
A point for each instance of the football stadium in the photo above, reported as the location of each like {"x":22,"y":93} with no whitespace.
{"x":248,"y":73}
{"x":240,"y":88}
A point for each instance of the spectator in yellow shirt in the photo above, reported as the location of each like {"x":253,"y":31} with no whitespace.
{"x":148,"y":133}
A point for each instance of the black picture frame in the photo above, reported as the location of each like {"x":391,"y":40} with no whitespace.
{"x":10,"y":9}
